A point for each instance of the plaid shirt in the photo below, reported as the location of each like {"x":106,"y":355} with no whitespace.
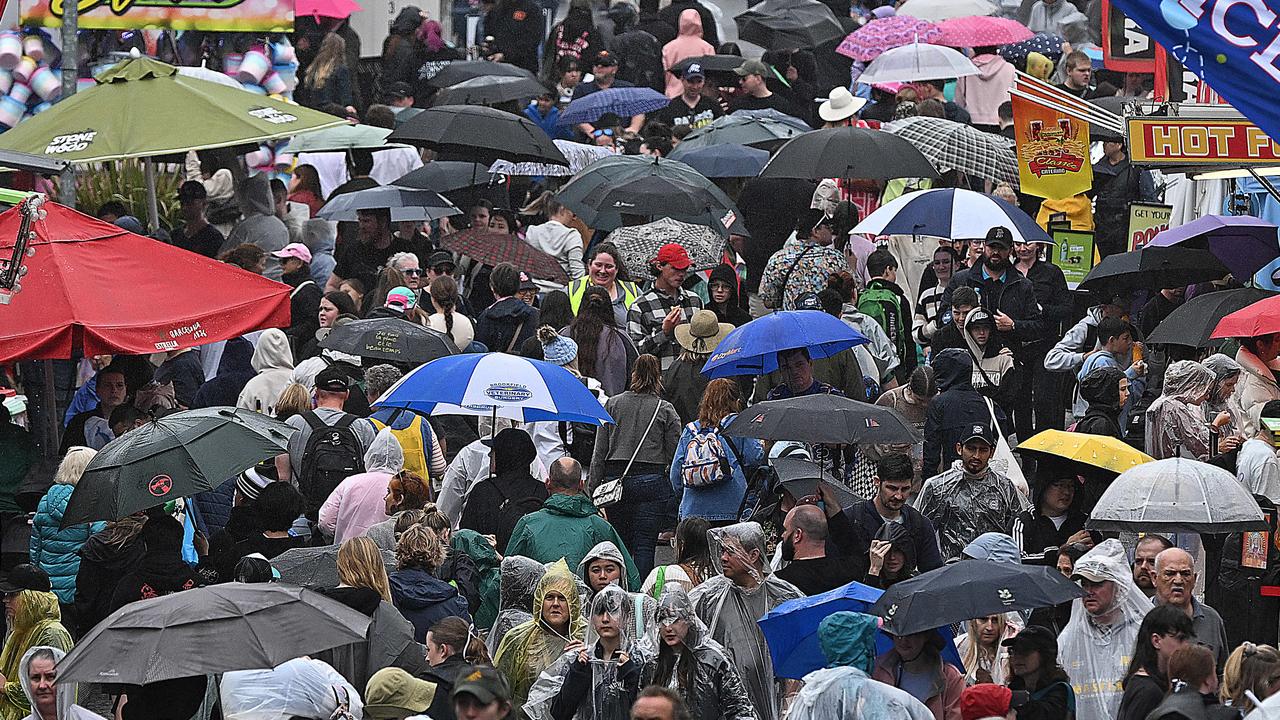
{"x":644,"y":322}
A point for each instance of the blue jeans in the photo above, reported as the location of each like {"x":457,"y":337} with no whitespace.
{"x":639,"y":516}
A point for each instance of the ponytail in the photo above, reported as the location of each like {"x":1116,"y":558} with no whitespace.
{"x":444,"y":293}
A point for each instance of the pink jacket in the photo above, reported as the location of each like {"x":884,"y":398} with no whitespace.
{"x":984,"y":93}
{"x":688,"y":43}
{"x":357,"y":504}
{"x":945,"y":701}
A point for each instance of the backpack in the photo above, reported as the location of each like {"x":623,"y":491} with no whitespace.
{"x":705,"y":461}
{"x":332,"y":454}
{"x":881,"y":304}
{"x":579,"y":440}
{"x":510,"y":510}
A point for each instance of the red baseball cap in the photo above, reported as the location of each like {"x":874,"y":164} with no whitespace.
{"x":674,"y":255}
{"x":985,"y":700}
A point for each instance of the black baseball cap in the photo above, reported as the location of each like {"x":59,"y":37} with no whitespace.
{"x":333,"y":380}
{"x":484,"y":684}
{"x":441,"y":257}
{"x":399,"y":90}
{"x":694,"y":70}
{"x":191,"y":190}
{"x":1034,"y":637}
{"x":604,"y":57}
{"x":999,"y":235}
{"x":979,"y":431}
{"x":25,"y":577}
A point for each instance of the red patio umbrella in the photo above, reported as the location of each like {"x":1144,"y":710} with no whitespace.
{"x":94,"y":288}
{"x":1260,"y":318}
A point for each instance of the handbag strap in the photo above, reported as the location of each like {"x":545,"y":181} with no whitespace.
{"x":786,"y":277}
{"x":643,"y":437}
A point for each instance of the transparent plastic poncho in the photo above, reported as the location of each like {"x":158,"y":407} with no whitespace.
{"x":298,"y":688}
{"x":714,"y":689}
{"x":611,"y":694}
{"x":518,"y":579}
{"x":1095,"y":648}
{"x":845,"y":693}
{"x":731,"y":612}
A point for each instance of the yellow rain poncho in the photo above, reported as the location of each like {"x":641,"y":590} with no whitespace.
{"x":37,"y":620}
{"x":531,"y":647}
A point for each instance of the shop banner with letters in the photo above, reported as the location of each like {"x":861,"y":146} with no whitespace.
{"x":215,"y":15}
{"x":1232,"y":45}
{"x":1146,"y":220}
{"x":1053,"y":151}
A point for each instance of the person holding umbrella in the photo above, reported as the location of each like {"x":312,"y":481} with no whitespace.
{"x":915,"y":665}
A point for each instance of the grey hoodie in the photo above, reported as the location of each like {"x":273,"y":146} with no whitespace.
{"x":319,"y":237}
{"x":260,"y":226}
{"x":67,"y":709}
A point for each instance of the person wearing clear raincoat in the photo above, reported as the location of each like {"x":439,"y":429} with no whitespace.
{"x":517,"y":583}
{"x":531,"y":647}
{"x":603,"y":566}
{"x":691,"y":663}
{"x":598,"y":680}
{"x":40,"y":684}
{"x":732,"y":602}
{"x":1095,"y":646}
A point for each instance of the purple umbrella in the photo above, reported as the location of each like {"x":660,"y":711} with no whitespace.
{"x":623,"y":102}
{"x":1244,"y":244}
{"x":867,"y":42}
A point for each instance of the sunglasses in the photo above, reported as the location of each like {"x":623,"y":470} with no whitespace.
{"x":606,"y":132}
{"x":412,"y":272}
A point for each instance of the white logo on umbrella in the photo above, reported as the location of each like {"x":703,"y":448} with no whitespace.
{"x":73,"y":142}
{"x":272,"y":115}
{"x":1005,"y":595}
{"x":508,"y":392}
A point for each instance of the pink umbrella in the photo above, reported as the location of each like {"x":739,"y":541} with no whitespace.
{"x":867,"y":42}
{"x":326,"y":8}
{"x":981,"y":32}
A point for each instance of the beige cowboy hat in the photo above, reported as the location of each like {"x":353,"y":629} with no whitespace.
{"x":840,"y":105}
{"x":702,"y":333}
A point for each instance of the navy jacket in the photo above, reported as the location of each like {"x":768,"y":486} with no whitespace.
{"x":953,"y":411}
{"x":853,"y":530}
{"x":424,"y":600}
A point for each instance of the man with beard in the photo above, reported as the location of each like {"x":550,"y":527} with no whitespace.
{"x":1144,"y":562}
{"x":1004,"y":292}
{"x":804,"y":547}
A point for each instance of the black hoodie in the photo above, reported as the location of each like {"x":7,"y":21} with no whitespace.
{"x":503,"y":319}
{"x":160,"y":570}
{"x":731,"y":312}
{"x":955,"y":410}
{"x":1101,"y":389}
{"x":101,"y":568}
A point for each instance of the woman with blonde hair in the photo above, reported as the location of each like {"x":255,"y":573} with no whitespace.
{"x":421,"y":597}
{"x":697,"y":471}
{"x":360,"y":566}
{"x":55,"y":549}
{"x":295,"y":399}
{"x":327,"y":80}
{"x":1250,"y":669}
{"x":984,"y":656}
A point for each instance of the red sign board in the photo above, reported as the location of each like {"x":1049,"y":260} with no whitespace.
{"x":1180,"y":141}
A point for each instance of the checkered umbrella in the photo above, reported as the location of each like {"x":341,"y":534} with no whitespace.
{"x":867,"y":42}
{"x":982,"y":31}
{"x":955,"y":146}
{"x":639,"y":243}
{"x":491,"y":248}
{"x":1046,"y":44}
{"x":623,"y":102}
{"x":579,"y":156}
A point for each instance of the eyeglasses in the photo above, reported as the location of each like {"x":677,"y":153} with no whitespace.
{"x":412,"y":272}
{"x":607,"y":132}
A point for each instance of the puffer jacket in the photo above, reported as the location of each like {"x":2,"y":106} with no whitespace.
{"x":425,"y":600}
{"x":57,"y":551}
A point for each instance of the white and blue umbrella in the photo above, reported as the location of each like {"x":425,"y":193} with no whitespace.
{"x":951,"y":213}
{"x":495,"y":384}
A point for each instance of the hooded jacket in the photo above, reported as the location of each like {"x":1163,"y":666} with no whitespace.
{"x":160,"y":570}
{"x":358,"y":502}
{"x":319,"y":237}
{"x":36,"y":621}
{"x":982,"y":94}
{"x":688,"y":43}
{"x":956,"y":408}
{"x":513,"y":451}
{"x":567,"y":526}
{"x":66,"y":691}
{"x":990,"y":365}
{"x":101,"y":568}
{"x":603,"y":550}
{"x":1101,"y":389}
{"x":1257,"y":385}
{"x":402,"y":52}
{"x":235,"y":370}
{"x":273,"y":361}
{"x":730,"y":312}
{"x":56,"y":550}
{"x":639,"y":52}
{"x":259,"y":226}
{"x":532,"y":646}
{"x":425,"y":600}
{"x":507,"y":323}
{"x":672,"y":14}
{"x":1015,"y":296}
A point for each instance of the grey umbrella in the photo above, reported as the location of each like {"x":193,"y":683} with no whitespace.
{"x":316,"y":566}
{"x":215,"y":629}
{"x":1177,"y":495}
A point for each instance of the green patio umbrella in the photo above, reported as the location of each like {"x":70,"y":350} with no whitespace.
{"x":142,"y":108}
{"x":343,"y":138}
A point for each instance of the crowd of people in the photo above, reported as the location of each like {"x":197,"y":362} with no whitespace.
{"x":500,"y":582}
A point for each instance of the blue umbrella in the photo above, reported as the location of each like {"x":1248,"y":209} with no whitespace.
{"x":623,"y":102}
{"x":724,"y":161}
{"x":495,"y":384}
{"x":791,"y":629}
{"x":753,"y":348}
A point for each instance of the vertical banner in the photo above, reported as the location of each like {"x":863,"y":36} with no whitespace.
{"x":1073,"y":254}
{"x":1053,"y":151}
{"x":1146,"y":220}
{"x":1125,"y":47}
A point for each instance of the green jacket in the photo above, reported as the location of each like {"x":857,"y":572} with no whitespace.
{"x":487,"y":564}
{"x":567,"y":526}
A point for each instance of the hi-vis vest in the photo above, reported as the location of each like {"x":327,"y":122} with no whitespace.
{"x":413,"y":444}
{"x":578,"y":288}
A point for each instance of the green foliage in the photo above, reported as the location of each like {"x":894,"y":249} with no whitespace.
{"x":125,"y":181}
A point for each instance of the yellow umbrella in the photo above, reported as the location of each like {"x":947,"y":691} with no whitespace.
{"x":1098,"y":451}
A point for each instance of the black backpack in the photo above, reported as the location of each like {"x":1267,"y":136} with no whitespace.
{"x":579,"y":440}
{"x":510,"y":510}
{"x":332,"y":454}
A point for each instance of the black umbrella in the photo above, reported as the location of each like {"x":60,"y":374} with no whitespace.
{"x":178,"y":455}
{"x":589,"y":193}
{"x":801,"y":477}
{"x":657,"y":195}
{"x":316,"y":566}
{"x":444,"y":176}
{"x":405,"y":204}
{"x":720,"y":65}
{"x":1154,"y":268}
{"x":489,"y":90}
{"x":827,"y":419}
{"x":211,"y":630}
{"x":764,"y":129}
{"x":463,"y":70}
{"x":1192,"y":323}
{"x":789,"y":25}
{"x":848,"y":153}
{"x":479,"y":134}
{"x":970,"y":589}
{"x":390,"y":339}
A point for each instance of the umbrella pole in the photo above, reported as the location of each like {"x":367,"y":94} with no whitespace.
{"x":50,"y":401}
{"x":153,"y":214}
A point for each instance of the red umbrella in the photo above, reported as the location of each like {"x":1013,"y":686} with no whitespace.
{"x":492,"y":248}
{"x":1260,"y":318}
{"x":95,"y":288}
{"x":983,"y":31}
